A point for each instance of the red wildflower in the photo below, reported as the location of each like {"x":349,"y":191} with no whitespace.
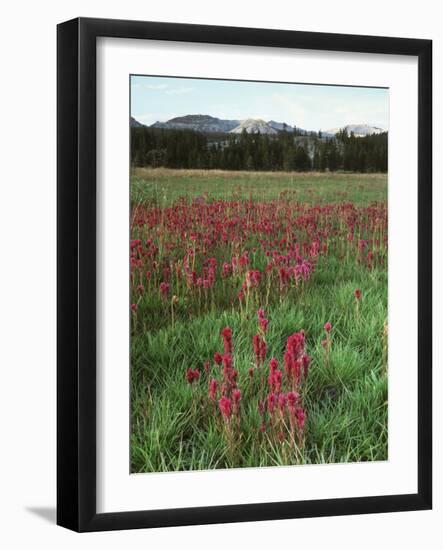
{"x":282,"y":399}
{"x":292,"y":401}
{"x":227,"y":360}
{"x":295,"y":344}
{"x":273,"y":364}
{"x":271,"y":399}
{"x":259,"y":349}
{"x":288,"y":359}
{"x":226,"y":270}
{"x":227,"y":339}
{"x":244,"y":259}
{"x":213,"y":388}
{"x":362,"y":244}
{"x":164,"y":288}
{"x":236,"y":398}
{"x":192,"y":375}
{"x":301,"y":418}
{"x":295,"y":358}
{"x":262,"y":321}
{"x":275,"y":381}
{"x":225,"y":406}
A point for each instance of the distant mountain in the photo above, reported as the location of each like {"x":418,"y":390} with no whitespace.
{"x":210,"y":124}
{"x":359,"y":130}
{"x":280,"y":126}
{"x":136,"y":123}
{"x":259,"y":126}
{"x":254,"y":126}
{"x":201,"y":123}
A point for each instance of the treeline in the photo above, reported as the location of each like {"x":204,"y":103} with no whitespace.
{"x":285,"y":151}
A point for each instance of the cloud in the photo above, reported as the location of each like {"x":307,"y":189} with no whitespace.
{"x":264,"y":117}
{"x":156,"y":86}
{"x":140,"y":85}
{"x":296,"y":112}
{"x":333,"y":110}
{"x":178,"y":91}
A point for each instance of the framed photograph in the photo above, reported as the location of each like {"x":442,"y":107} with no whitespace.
{"x":244,"y":274}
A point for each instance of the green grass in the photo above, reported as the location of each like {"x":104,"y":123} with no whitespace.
{"x":173,"y":426}
{"x":163,"y":186}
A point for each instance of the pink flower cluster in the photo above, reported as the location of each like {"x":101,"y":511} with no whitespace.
{"x":282,"y":406}
{"x":238,"y":248}
{"x":227,"y":339}
{"x":262,"y":321}
{"x":226,"y":388}
{"x":259,"y":345}
{"x":281,"y":409}
{"x":296,"y":360}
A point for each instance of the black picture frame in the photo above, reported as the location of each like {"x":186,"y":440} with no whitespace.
{"x":76,"y":273}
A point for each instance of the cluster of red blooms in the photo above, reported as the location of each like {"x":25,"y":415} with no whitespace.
{"x":230,"y":394}
{"x":230,"y":406}
{"x":195,"y":247}
{"x":283,"y":415}
{"x":296,"y":360}
{"x":225,"y":391}
{"x":206,"y":279}
{"x":281,"y":407}
{"x":262,"y":321}
{"x":192,"y":375}
{"x":259,"y":345}
{"x":227,"y":340}
{"x":164,"y":288}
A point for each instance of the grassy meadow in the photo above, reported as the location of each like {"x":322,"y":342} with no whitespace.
{"x":294,"y":265}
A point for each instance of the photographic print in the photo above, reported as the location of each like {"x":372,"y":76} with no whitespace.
{"x":258,"y":274}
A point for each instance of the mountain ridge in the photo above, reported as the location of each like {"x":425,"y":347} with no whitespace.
{"x":254,"y":126}
{"x":210,"y":124}
{"x":359,"y":130}
{"x":203,"y":123}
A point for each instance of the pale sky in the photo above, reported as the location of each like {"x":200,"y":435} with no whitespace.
{"x":311,"y":107}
